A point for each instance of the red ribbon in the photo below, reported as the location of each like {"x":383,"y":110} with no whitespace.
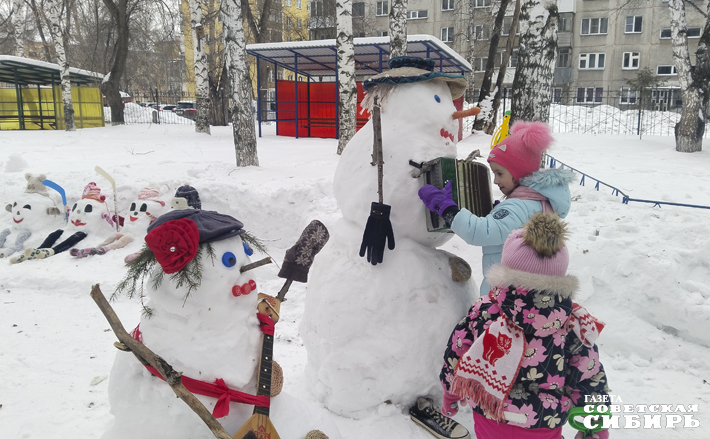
{"x":219,"y":389}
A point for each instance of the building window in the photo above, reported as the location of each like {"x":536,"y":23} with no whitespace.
{"x":358,"y":9}
{"x":480,"y":32}
{"x":447,"y":34}
{"x":479,"y":64}
{"x":513,"y":61}
{"x":592,"y":95}
{"x":694,"y":32}
{"x":563,"y":57}
{"x":383,"y":8}
{"x":594,"y":26}
{"x":507,"y":23}
{"x":628,"y":95}
{"x":482,"y":3}
{"x":288,"y":22}
{"x":288,"y":3}
{"x":414,"y":15}
{"x":556,"y":95}
{"x":591,"y":61}
{"x":666,"y":33}
{"x":631,"y":61}
{"x":299,"y":23}
{"x":316,"y":9}
{"x":634,"y":24}
{"x":447,"y":5}
{"x":382,"y":33}
{"x":666,"y":70}
{"x":565,"y":23}
{"x":299,"y":4}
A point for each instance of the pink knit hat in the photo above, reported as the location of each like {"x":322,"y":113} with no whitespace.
{"x":539,"y":247}
{"x":91,"y":191}
{"x":150,"y":193}
{"x":521,"y":152}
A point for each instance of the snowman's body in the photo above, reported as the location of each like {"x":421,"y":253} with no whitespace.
{"x":210,"y":335}
{"x":377,"y":333}
{"x":34,"y":214}
{"x":91,"y":217}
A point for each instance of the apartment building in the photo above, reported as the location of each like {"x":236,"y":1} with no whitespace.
{"x":602,"y":43}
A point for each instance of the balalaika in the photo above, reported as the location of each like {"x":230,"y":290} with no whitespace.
{"x":471,"y":187}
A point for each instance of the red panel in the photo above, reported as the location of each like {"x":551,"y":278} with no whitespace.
{"x":317,"y":109}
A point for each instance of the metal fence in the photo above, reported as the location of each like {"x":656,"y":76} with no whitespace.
{"x":147,"y":107}
{"x":595,"y":111}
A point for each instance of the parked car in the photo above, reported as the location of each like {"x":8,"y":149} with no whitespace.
{"x":168,"y":107}
{"x":185,"y":109}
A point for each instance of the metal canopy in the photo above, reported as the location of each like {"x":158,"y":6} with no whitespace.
{"x":319,"y":57}
{"x":25,"y":71}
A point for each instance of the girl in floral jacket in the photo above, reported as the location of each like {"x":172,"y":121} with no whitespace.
{"x":525,"y":354}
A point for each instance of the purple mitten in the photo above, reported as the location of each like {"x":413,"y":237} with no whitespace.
{"x":450,"y":405}
{"x":437,"y":200}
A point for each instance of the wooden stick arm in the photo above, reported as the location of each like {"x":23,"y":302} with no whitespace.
{"x":169,"y":374}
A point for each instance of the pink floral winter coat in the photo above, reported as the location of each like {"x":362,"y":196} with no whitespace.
{"x":558,"y":368}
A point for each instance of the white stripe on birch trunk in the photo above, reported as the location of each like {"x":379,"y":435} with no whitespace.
{"x":536,"y":62}
{"x":18,"y":26}
{"x":53,"y":8}
{"x":690,"y":128}
{"x":398,"y":28}
{"x":242,"y":95}
{"x":202,"y":89}
{"x":347,"y":89}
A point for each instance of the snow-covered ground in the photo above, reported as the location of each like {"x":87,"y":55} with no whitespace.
{"x":645,"y":271}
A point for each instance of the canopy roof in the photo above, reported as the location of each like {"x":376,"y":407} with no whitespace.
{"x":319,"y":57}
{"x":25,"y":71}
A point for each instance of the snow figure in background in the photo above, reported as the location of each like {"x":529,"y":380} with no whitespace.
{"x":141,"y":214}
{"x":202,"y":319}
{"x":373,"y":333}
{"x":35,"y":211}
{"x":89,"y":216}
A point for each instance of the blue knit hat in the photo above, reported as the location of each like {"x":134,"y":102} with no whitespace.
{"x":410,"y":69}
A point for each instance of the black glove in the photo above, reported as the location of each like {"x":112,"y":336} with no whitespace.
{"x":377,"y":230}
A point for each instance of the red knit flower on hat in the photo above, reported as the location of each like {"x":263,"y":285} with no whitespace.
{"x":174,"y":244}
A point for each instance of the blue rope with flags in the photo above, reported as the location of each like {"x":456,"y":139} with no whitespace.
{"x":625,"y":199}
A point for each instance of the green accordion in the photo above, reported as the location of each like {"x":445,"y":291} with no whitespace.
{"x":471,"y":187}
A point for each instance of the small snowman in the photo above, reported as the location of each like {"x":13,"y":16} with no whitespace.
{"x":89,"y":216}
{"x":141,"y":213}
{"x":374,"y":332}
{"x":201,"y":317}
{"x":34,"y":211}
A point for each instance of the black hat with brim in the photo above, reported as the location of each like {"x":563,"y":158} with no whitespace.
{"x":411,"y":69}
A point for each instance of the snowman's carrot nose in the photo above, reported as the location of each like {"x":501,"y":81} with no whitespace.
{"x":465,"y":113}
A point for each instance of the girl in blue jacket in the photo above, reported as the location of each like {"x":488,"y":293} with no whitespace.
{"x":515,"y":163}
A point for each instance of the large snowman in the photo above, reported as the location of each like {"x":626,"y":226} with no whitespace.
{"x":376,"y":334}
{"x":34,"y":213}
{"x":203,"y":321}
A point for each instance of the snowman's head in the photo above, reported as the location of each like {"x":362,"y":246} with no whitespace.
{"x":202,"y":252}
{"x":34,"y":211}
{"x":143,"y":211}
{"x":90,"y":214}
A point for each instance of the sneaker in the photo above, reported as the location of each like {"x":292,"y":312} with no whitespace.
{"x":426,"y":414}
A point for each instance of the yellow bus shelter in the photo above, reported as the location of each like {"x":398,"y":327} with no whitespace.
{"x":35,"y":100}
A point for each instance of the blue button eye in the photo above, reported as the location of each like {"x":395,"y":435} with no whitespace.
{"x":437,"y":98}
{"x":229,"y":260}
{"x":247,"y":249}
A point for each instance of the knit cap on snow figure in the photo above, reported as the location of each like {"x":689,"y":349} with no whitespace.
{"x":92,"y":192}
{"x":409,"y":69}
{"x":521,"y":152}
{"x":539,"y":247}
{"x":186,"y":197}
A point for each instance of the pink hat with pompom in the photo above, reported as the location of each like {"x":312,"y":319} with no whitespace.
{"x":91,"y":191}
{"x":521,"y":152}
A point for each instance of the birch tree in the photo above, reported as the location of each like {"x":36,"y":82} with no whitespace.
{"x":490,"y":63}
{"x":18,"y":22}
{"x":60,"y":35}
{"x":536,"y":62}
{"x":202,"y":86}
{"x":347,"y":90}
{"x":398,"y":28}
{"x":694,"y":83}
{"x":236,"y":57}
{"x":491,"y":117}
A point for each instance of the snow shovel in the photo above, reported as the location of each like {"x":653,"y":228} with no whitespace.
{"x":378,"y":228}
{"x":297,"y":263}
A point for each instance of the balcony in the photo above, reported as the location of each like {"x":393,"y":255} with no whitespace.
{"x":563,"y":75}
